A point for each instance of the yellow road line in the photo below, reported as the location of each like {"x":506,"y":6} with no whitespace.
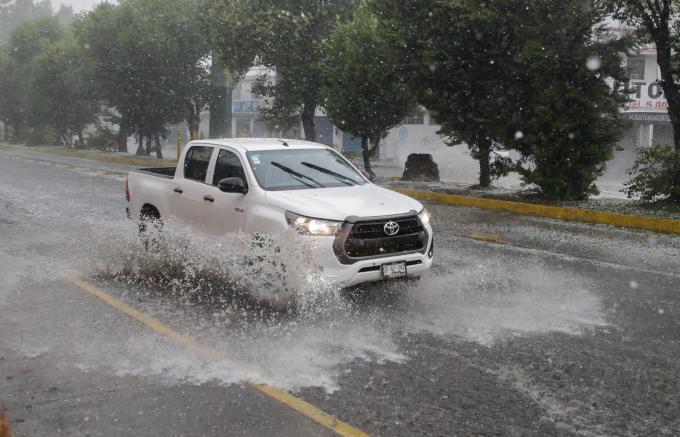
{"x":297,"y":404}
{"x":486,"y":237}
{"x":669,"y":226}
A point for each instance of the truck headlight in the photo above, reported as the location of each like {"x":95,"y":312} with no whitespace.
{"x":424,"y":216}
{"x":312,"y":226}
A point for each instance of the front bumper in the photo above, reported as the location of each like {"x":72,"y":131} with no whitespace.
{"x":369,"y":270}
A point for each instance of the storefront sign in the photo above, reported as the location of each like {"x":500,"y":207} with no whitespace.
{"x":648,"y":117}
{"x":245,"y":106}
{"x":644,"y":97}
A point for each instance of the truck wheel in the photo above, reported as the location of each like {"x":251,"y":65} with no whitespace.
{"x":150,"y":225}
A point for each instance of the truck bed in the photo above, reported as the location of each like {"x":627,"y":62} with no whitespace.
{"x":164,"y":172}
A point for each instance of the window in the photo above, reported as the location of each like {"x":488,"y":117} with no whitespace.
{"x":297,"y":169}
{"x":196,"y":163}
{"x":417,"y":118}
{"x":635,"y":67}
{"x":228,"y":165}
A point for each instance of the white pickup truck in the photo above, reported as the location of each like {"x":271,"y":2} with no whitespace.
{"x":266,"y":186}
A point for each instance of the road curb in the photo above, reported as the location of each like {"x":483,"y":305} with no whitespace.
{"x":668,"y":226}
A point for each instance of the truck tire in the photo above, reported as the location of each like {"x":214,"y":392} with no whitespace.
{"x":150,"y":225}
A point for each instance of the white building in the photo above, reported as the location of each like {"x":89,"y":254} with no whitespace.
{"x":246,"y":121}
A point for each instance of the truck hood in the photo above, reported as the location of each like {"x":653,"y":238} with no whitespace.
{"x":366,"y":200}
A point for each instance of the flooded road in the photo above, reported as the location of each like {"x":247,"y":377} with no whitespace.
{"x":559,"y":329}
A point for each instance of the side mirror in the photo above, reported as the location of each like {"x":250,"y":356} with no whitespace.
{"x":232,"y":185}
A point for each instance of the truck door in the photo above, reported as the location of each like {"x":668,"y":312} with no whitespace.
{"x":228,"y":210}
{"x":189,"y":200}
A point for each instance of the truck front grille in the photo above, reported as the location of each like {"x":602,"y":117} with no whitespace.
{"x":368,"y":239}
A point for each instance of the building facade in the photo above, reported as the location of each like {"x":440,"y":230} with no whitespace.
{"x":247,"y":123}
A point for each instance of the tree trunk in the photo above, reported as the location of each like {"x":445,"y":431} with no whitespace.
{"x":17,"y":130}
{"x":307,"y":117}
{"x":81,"y":141}
{"x":671,"y":90}
{"x":193,"y":124}
{"x":376,"y":146}
{"x":157,"y":141}
{"x":366,"y":155}
{"x":147,"y":151}
{"x":484,"y":147}
{"x":140,"y":144}
{"x":662,"y":39}
{"x":123,"y":133}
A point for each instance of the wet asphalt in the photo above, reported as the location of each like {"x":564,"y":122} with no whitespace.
{"x":559,"y":329}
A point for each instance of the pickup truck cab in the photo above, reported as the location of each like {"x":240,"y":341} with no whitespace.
{"x":267,"y":186}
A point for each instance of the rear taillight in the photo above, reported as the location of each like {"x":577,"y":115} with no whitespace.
{"x":127,"y":191}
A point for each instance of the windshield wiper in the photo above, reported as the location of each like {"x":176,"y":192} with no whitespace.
{"x":342,"y":178}
{"x":297,"y":175}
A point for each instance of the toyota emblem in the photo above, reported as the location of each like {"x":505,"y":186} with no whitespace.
{"x":391,"y":228}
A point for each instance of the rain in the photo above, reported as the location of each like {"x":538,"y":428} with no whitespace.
{"x":223,"y":217}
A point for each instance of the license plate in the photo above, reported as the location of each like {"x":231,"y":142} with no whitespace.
{"x":394,"y":270}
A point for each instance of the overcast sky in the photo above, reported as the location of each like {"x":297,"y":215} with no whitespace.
{"x":78,"y":5}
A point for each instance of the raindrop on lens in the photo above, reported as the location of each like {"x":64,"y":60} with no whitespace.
{"x":594,"y":63}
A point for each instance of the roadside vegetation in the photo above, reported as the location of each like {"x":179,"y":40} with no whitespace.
{"x":529,"y":76}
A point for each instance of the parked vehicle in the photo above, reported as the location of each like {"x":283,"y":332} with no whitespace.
{"x":267,"y":186}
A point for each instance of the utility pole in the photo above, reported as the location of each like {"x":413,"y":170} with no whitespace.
{"x":220,"y":108}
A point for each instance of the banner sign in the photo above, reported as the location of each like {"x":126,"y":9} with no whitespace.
{"x":243,"y":106}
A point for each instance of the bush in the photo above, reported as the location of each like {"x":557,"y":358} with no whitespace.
{"x":39,"y":136}
{"x":102,"y":139}
{"x":420,"y":167}
{"x":655,"y":174}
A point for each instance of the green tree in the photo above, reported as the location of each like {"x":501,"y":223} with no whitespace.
{"x":512,"y":74}
{"x":99,"y":33}
{"x":26,"y":43}
{"x":12,"y":102}
{"x":659,"y":22}
{"x":458,"y":56}
{"x":150,"y":59}
{"x":13,"y":13}
{"x":369,"y":97}
{"x":571,"y":118}
{"x":61,"y":92}
{"x":286,"y":35}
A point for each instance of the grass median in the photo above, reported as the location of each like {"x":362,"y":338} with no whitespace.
{"x":113,"y":157}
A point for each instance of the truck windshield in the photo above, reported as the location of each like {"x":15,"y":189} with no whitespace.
{"x":297,"y":169}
